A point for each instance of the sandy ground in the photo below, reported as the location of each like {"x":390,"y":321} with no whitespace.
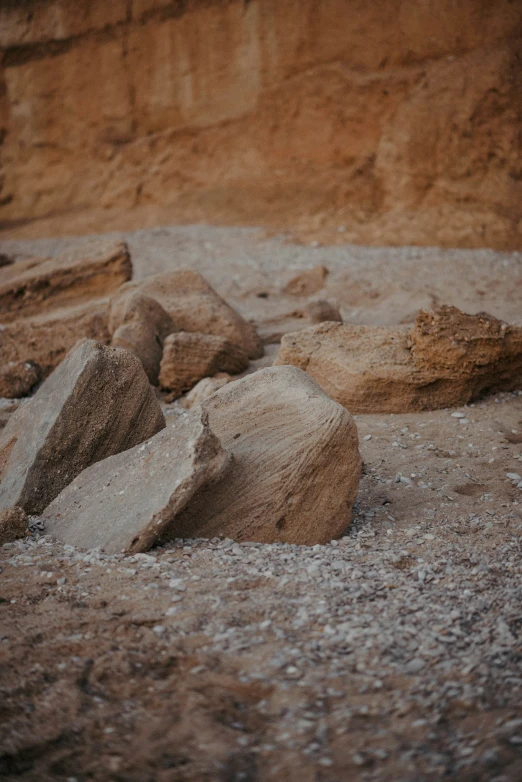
{"x":394,"y":653}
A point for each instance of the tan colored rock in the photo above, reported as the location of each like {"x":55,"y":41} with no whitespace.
{"x":194,"y":306}
{"x":205,"y":388}
{"x":140,"y":325}
{"x":307,"y":282}
{"x":18,"y":378}
{"x":321,"y":311}
{"x":446,"y":360}
{"x":125,"y":502}
{"x":189,"y":357}
{"x":295,"y":469}
{"x":33,"y":286}
{"x":13,"y":524}
{"x":97,"y":403}
{"x":47,"y":338}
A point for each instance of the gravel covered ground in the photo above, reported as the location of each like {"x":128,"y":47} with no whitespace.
{"x":394,"y":653}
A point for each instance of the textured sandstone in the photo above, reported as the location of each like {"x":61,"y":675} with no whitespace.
{"x":189,"y":357}
{"x":205,"y":388}
{"x":13,"y":524}
{"x":125,"y":502}
{"x":140,"y":325}
{"x":46,"y":338}
{"x":194,"y":305}
{"x":33,"y":286}
{"x":18,"y":378}
{"x":97,"y":403}
{"x":396,"y":119}
{"x":295,"y":469}
{"x":447,"y":359}
{"x":307,"y":282}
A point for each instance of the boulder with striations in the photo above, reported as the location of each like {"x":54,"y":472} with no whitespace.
{"x":295,"y":463}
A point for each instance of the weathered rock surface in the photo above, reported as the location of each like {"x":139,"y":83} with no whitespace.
{"x":189,"y":357}
{"x":13,"y":524}
{"x":97,"y":403}
{"x":447,"y":359}
{"x":295,"y":469}
{"x":5,"y":260}
{"x":205,"y":388}
{"x":307,"y":282}
{"x":18,"y":378}
{"x":125,"y":502}
{"x":140,"y":325}
{"x":36,"y":285}
{"x":194,"y":306}
{"x":46,"y":338}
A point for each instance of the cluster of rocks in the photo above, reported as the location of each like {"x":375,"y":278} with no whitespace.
{"x":270,"y":457}
{"x":91,"y":453}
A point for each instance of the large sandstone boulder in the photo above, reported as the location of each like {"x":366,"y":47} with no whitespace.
{"x":189,"y":357}
{"x":36,"y":285}
{"x":140,"y":325}
{"x":447,"y":359}
{"x":125,"y":502}
{"x":97,"y":403}
{"x":295,"y":468}
{"x":194,"y":306}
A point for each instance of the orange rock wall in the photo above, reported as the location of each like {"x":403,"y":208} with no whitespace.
{"x":398,"y":119}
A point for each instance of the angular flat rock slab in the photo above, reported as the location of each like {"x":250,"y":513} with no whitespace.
{"x":194,"y":305}
{"x":295,"y":469}
{"x":37,"y":285}
{"x":446,"y":360}
{"x":97,"y":403}
{"x":125,"y":502}
{"x":189,"y":357}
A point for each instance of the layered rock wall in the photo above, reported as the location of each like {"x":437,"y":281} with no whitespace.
{"x":399,"y":120}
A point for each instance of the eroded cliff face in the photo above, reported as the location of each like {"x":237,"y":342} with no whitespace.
{"x":399,"y":120}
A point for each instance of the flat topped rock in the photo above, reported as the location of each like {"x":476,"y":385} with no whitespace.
{"x":295,"y":469}
{"x":97,"y":403}
{"x":194,"y":305}
{"x":446,"y":360}
{"x":36,"y":285}
{"x":125,"y":502}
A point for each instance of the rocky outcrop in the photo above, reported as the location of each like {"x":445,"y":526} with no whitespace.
{"x":125,"y":502}
{"x":36,"y":286}
{"x":394,"y":120}
{"x":19,"y":378}
{"x":295,"y":463}
{"x":13,"y":524}
{"x":190,"y":357}
{"x":97,"y":403}
{"x":140,"y":325}
{"x":194,"y":305}
{"x":447,"y":359}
